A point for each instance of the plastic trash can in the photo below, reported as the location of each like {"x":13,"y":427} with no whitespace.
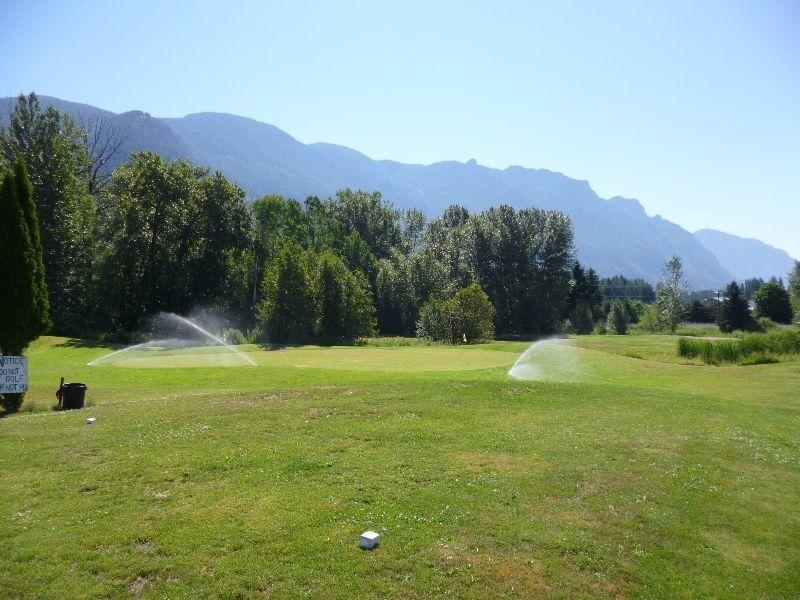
{"x":71,"y":395}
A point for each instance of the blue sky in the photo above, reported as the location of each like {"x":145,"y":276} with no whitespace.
{"x":691,"y":107}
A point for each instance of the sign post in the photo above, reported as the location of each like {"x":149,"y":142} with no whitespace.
{"x":13,"y":374}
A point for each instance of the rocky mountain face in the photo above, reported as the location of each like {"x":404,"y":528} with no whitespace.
{"x":615,"y":236}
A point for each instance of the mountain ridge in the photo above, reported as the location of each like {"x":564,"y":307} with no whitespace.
{"x":615,"y":236}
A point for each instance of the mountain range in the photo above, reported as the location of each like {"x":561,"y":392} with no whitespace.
{"x":614,"y":236}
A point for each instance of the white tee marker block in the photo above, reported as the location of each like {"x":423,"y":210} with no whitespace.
{"x":90,"y":421}
{"x":368,"y":540}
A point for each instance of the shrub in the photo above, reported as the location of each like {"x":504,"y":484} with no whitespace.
{"x":468,"y":313}
{"x":475,"y":314}
{"x":648,"y":321}
{"x":633,"y":310}
{"x":766,"y":324}
{"x":758,"y":359}
{"x":600,"y":328}
{"x":436,"y":321}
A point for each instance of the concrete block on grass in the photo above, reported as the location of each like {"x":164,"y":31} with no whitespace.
{"x":368,"y":540}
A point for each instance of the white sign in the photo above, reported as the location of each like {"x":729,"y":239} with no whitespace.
{"x":13,"y":374}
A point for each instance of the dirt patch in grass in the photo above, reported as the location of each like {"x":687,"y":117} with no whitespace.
{"x":500,"y":461}
{"x":517,"y":574}
{"x":732,"y":548}
{"x":138,"y":585}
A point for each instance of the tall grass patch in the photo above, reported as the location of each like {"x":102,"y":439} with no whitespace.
{"x":747,"y":349}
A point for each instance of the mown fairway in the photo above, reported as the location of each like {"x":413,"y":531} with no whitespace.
{"x":635,"y":475}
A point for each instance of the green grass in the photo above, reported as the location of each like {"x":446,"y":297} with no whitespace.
{"x":699,"y":330}
{"x":639,"y":476}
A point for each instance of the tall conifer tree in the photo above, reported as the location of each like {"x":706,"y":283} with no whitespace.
{"x":24,"y":306}
{"x":734,"y":312}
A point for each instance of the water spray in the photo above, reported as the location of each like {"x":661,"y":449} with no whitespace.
{"x":171,"y":343}
{"x":550,"y":359}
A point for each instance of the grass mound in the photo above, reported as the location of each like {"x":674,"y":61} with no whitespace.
{"x":748,"y":349}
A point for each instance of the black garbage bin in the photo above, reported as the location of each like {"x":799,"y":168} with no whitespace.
{"x":71,"y":395}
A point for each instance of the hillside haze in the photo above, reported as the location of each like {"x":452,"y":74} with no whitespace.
{"x":746,"y":257}
{"x":614,"y":236}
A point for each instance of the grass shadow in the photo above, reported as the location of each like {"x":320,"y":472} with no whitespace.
{"x":271,"y":347}
{"x":80,"y":343}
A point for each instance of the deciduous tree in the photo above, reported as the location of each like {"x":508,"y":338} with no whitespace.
{"x":169,"y":233}
{"x":345,"y":303}
{"x":669,"y":296}
{"x":289,"y":308}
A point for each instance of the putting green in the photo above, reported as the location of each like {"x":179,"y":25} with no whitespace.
{"x":395,"y":359}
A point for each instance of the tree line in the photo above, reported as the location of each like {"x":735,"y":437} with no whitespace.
{"x":157,"y":235}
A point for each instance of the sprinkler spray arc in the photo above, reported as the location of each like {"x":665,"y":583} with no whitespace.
{"x":172,"y":342}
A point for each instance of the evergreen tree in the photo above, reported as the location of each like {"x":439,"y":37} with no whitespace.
{"x":24,"y":309}
{"x":750,"y":286}
{"x":577,"y":286}
{"x":51,"y":144}
{"x":24,"y":191}
{"x":584,"y":304}
{"x":772,"y":301}
{"x":697,"y":312}
{"x":617,"y":320}
{"x":594,"y":297}
{"x":734,"y":313}
{"x":620,"y":288}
